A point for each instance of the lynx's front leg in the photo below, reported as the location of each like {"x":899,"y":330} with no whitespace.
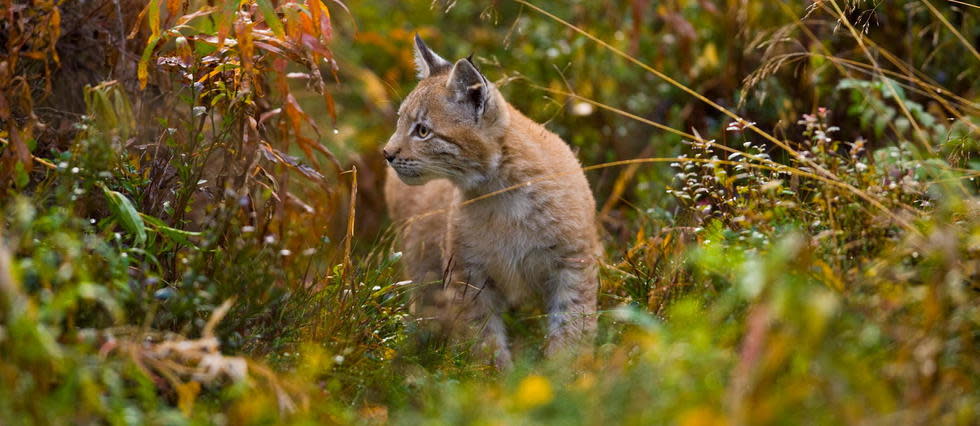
{"x":571,"y":302}
{"x":478,"y":304}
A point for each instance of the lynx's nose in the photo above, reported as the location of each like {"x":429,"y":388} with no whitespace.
{"x":388,"y":156}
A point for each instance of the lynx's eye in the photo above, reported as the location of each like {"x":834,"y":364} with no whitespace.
{"x":422,"y":131}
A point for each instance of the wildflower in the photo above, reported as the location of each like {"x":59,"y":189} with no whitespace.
{"x":857,"y":147}
{"x":821,"y":136}
{"x":738,"y":126}
{"x":701,"y":416}
{"x":534,"y":391}
{"x":582,"y":109}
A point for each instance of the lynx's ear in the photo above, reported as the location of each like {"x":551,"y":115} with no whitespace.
{"x":427,"y":62}
{"x":470,"y":88}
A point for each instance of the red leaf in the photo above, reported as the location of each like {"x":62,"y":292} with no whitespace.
{"x":314,"y":44}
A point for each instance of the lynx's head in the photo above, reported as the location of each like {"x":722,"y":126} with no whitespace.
{"x":450,"y":126}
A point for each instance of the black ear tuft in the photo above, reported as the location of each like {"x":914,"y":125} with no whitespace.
{"x":426,"y":61}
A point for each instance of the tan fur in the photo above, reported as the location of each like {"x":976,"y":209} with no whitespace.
{"x":534,"y":244}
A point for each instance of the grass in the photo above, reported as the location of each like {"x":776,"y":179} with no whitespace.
{"x":788,"y":202}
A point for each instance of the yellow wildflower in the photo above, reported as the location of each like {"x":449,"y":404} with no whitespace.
{"x":534,"y":391}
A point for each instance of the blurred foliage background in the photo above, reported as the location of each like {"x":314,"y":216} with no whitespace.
{"x":194,"y":230}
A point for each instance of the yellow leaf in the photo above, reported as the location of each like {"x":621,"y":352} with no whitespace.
{"x":142,"y":69}
{"x":709,"y":58}
{"x":55,"y":33}
{"x":186,"y":394}
{"x":829,"y":276}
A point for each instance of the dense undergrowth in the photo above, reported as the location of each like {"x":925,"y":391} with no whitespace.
{"x":193,"y":230}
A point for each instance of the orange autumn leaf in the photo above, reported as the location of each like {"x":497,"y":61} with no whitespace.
{"x":173,"y":7}
{"x":321,"y":15}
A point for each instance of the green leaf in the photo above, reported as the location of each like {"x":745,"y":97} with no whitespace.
{"x":271,"y":18}
{"x":153,"y":18}
{"x":179,"y":236}
{"x":21,"y":179}
{"x":126,"y":214}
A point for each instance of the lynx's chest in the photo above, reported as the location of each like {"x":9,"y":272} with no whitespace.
{"x":510,"y":240}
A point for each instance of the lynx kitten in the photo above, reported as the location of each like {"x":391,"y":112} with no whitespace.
{"x":458,"y":139}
